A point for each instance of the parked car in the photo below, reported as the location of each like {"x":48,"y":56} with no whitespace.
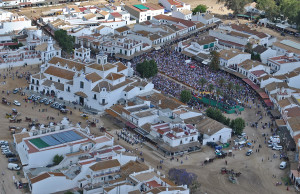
{"x":13,"y":160}
{"x":36,"y":98}
{"x":13,"y":166}
{"x":4,"y":152}
{"x":31,"y":97}
{"x":282,"y":165}
{"x":74,"y":102}
{"x":43,"y":100}
{"x":277,"y":147}
{"x":10,"y":155}
{"x":54,"y":105}
{"x":249,"y":152}
{"x":16,"y":90}
{"x":17,"y":103}
{"x":2,"y":142}
{"x":50,"y":165}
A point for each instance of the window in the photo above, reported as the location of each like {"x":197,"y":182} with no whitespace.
{"x":81,"y":84}
{"x":58,"y":80}
{"x":32,"y":81}
{"x":51,"y":78}
{"x":68,"y":89}
{"x":95,"y":96}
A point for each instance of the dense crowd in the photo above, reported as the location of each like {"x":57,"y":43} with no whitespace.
{"x":173,"y":64}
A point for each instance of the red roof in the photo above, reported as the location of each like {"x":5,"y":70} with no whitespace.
{"x":116,"y":14}
{"x":263,"y":95}
{"x":268,"y":102}
{"x":250,"y":83}
{"x":82,"y":9}
{"x":153,"y":184}
{"x":173,"y":19}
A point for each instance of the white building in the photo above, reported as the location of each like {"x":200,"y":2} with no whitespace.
{"x":205,"y":18}
{"x":95,"y":84}
{"x":174,"y":5}
{"x":210,"y":130}
{"x":253,"y":70}
{"x":47,"y":50}
{"x":11,"y":22}
{"x":231,"y":58}
{"x":184,"y":14}
{"x":264,"y":53}
{"x":283,"y":64}
{"x":144,"y":12}
{"x":287,"y":46}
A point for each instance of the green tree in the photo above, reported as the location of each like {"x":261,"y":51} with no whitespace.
{"x":214,"y":61}
{"x":218,"y":93}
{"x":185,"y":96}
{"x":237,"y":125}
{"x":248,"y":48}
{"x":290,"y":10}
{"x":270,"y":8}
{"x":57,"y":159}
{"x":202,"y":82}
{"x":147,"y":69}
{"x":230,"y":86}
{"x":221,"y":82}
{"x":65,"y":41}
{"x":200,"y":8}
{"x":237,"y":6}
{"x":237,"y":88}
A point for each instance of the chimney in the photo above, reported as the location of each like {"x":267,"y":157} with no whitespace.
{"x":159,"y":102}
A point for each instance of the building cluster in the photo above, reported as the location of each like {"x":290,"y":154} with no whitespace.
{"x":168,"y":124}
{"x":91,"y":164}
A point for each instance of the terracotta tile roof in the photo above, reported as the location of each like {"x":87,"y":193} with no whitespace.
{"x":39,"y":178}
{"x":168,"y":181}
{"x":152,"y":184}
{"x":228,"y":54}
{"x":293,"y":112}
{"x":246,"y":29}
{"x":93,"y":77}
{"x":128,"y":88}
{"x":59,"y":72}
{"x":294,"y":122}
{"x":79,"y":66}
{"x":258,"y":73}
{"x":206,"y":125}
{"x":82,"y":94}
{"x":100,"y":67}
{"x":177,"y":20}
{"x":248,"y":64}
{"x":89,"y":16}
{"x":283,"y":103}
{"x":260,"y":49}
{"x":43,"y":47}
{"x":116,"y":14}
{"x":19,"y":136}
{"x":122,"y":29}
{"x":105,"y":165}
{"x":287,"y":48}
{"x":186,"y":11}
{"x":120,"y":66}
{"x":57,"y":85}
{"x":39,"y":76}
{"x":145,"y":176}
{"x":104,"y":13}
{"x":272,"y":86}
{"x":111,"y":113}
{"x":205,"y":40}
{"x":102,"y":84}
{"x":56,"y":173}
{"x":114,"y":76}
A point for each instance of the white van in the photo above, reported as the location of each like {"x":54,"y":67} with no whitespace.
{"x":277,"y":147}
{"x":13,"y":166}
{"x":282,"y":165}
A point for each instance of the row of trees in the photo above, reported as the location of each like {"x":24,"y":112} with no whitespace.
{"x":65,"y":41}
{"x":237,"y":124}
{"x":287,"y":9}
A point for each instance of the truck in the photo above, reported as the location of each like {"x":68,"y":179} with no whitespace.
{"x":13,"y":166}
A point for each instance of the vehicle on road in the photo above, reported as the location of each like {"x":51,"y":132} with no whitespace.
{"x":31,"y":97}
{"x":277,"y":147}
{"x":43,"y":100}
{"x":13,"y":166}
{"x":15,"y":90}
{"x":10,"y":155}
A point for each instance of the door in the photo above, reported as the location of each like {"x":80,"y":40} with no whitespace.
{"x":81,"y":100}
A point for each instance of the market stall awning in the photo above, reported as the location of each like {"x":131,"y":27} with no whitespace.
{"x":129,"y":124}
{"x":250,"y":83}
{"x":268,"y":102}
{"x":263,"y":95}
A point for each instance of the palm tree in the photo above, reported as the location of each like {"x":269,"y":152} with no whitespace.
{"x":210,"y":89}
{"x":218,"y":93}
{"x":202,"y":82}
{"x":237,"y":88}
{"x":221,"y":82}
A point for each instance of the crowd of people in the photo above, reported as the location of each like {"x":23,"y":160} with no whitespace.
{"x":129,"y":137}
{"x":175,"y":68}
